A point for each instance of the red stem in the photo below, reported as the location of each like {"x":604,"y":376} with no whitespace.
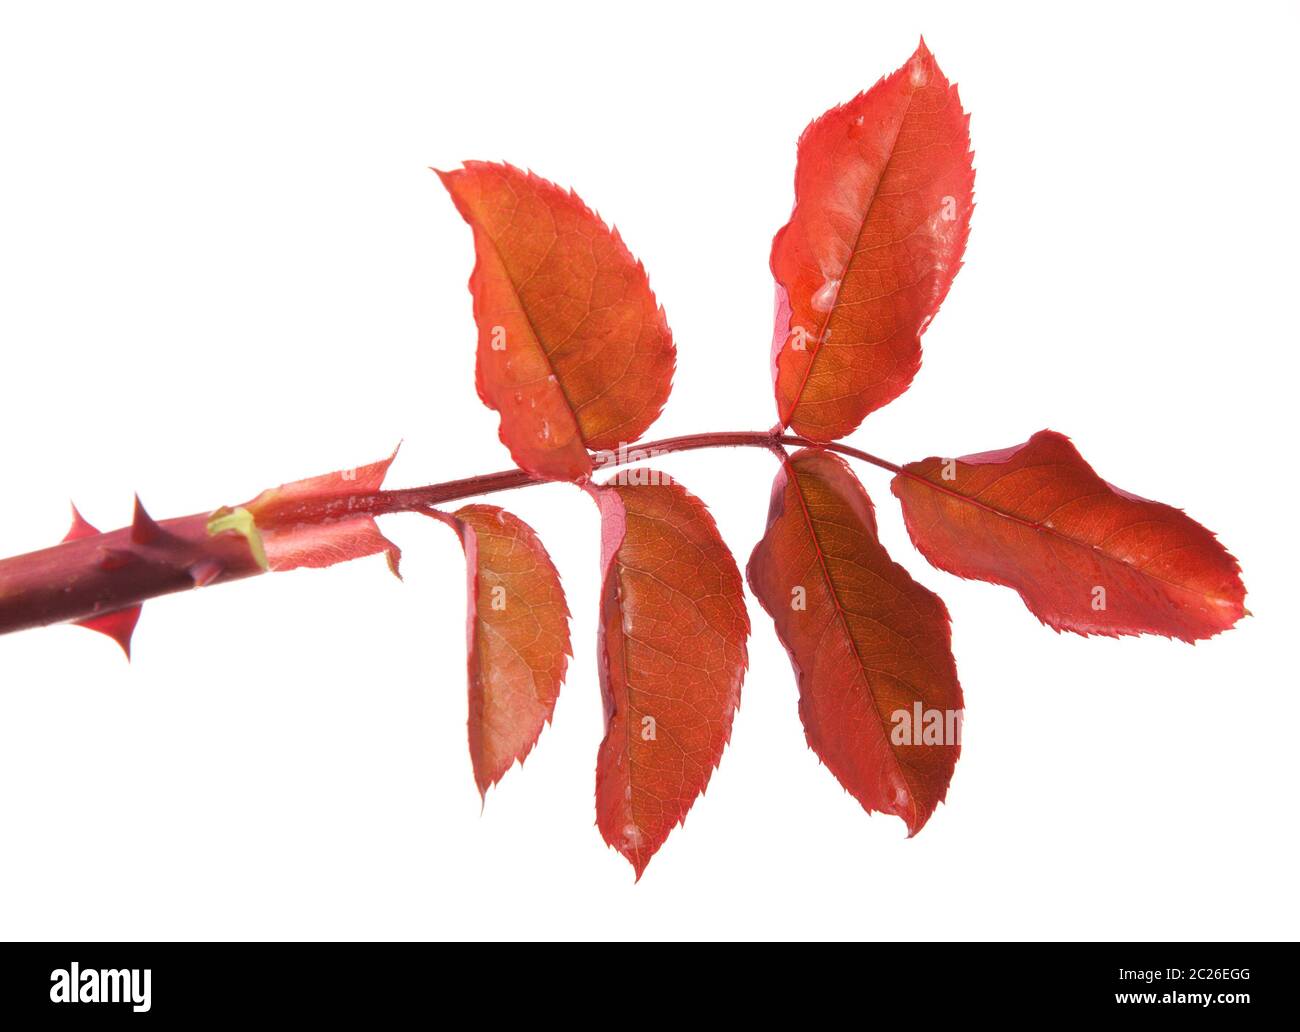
{"x":97,"y":574}
{"x":415,"y":499}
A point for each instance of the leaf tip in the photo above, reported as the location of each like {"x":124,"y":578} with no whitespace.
{"x":393,"y":556}
{"x":637,"y":857}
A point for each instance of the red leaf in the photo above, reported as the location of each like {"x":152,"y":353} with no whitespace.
{"x":311,"y":523}
{"x":518,"y":637}
{"x":882,"y":211}
{"x":1084,"y":556}
{"x":878,"y":690}
{"x":573,"y":350}
{"x":672,"y":656}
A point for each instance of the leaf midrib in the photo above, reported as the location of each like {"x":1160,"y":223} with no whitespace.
{"x":532,"y":328}
{"x":848,"y":633}
{"x":1053,"y":532}
{"x":857,"y":240}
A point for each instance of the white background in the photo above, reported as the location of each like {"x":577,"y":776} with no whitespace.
{"x":224,"y":264}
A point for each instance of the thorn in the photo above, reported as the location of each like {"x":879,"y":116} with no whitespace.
{"x":117,"y":625}
{"x":205,"y":571}
{"x":144,"y":531}
{"x":115,"y":558}
{"x":80,"y":528}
